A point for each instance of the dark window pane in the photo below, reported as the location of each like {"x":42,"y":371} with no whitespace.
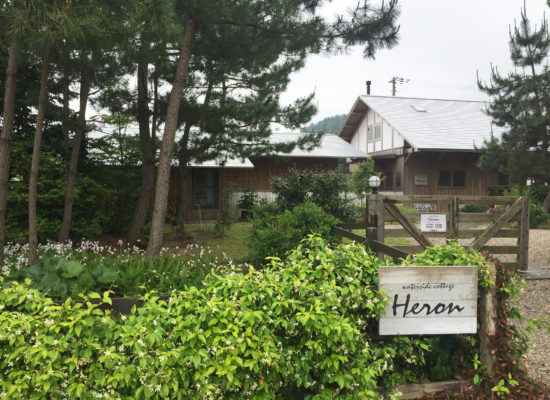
{"x":377,"y":132}
{"x":444,"y":178}
{"x":502,"y":179}
{"x":369,"y":134}
{"x":389,"y":180}
{"x":459,"y":178}
{"x":205,"y":188}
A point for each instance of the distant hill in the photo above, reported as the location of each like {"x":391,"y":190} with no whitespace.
{"x":327,"y":125}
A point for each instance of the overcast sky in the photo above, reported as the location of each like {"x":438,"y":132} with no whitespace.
{"x":443,"y":43}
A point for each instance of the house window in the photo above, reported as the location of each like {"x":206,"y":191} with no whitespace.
{"x":459,"y":178}
{"x":444,"y":178}
{"x":388,"y":181}
{"x":502,"y":179}
{"x":205,"y":188}
{"x":377,"y":132}
{"x":369,"y":134}
{"x":455,"y":179}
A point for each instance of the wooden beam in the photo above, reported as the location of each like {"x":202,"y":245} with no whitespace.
{"x":490,"y":200}
{"x":389,"y":250}
{"x":373,"y":244}
{"x":497,"y":225}
{"x":349,"y":235}
{"x":411,"y":249}
{"x":354,"y":225}
{"x":462,"y":234}
{"x":501,"y":249}
{"x":409,"y":227}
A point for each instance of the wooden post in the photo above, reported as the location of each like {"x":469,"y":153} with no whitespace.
{"x":487,"y":315}
{"x":523,"y":238}
{"x":375,"y":216}
{"x":453,"y":218}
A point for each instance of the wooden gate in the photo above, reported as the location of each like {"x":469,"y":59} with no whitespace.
{"x":394,"y":221}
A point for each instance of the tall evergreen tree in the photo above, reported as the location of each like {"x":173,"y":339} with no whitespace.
{"x":283,"y":30}
{"x":521,"y":104}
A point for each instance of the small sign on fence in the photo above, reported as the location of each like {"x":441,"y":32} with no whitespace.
{"x":429,"y":300}
{"x":433,"y":222}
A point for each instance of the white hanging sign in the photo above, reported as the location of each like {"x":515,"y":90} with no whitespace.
{"x":429,"y":300}
{"x":433,"y":222}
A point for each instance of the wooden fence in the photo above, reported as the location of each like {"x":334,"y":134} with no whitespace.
{"x":502,"y":231}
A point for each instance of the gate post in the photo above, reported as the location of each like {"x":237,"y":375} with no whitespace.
{"x":453,"y":217}
{"x":523,"y":238}
{"x":375,"y":216}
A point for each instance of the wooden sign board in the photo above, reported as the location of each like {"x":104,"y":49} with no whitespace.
{"x":433,"y":222}
{"x":421,"y":180}
{"x":430,"y":300}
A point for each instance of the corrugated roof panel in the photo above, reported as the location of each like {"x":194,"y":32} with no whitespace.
{"x":436,"y":124}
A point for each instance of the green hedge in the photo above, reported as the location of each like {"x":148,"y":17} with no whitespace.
{"x":275,"y":232}
{"x":302,"y":327}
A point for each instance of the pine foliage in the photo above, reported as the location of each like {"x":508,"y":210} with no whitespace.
{"x":521,"y":104}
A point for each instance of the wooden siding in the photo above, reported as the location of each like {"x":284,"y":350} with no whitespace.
{"x":259,"y":178}
{"x":266,"y":168}
{"x":430,"y":163}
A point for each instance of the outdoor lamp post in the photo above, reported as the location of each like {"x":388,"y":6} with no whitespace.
{"x":374,"y":183}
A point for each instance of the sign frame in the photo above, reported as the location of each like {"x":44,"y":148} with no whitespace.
{"x":433,"y":222}
{"x":429,"y":300}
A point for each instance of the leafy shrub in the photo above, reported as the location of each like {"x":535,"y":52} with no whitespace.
{"x":497,"y":190}
{"x":103,"y":198}
{"x":248,"y":199}
{"x":537,"y":215}
{"x":475,"y":208}
{"x":274,"y":234}
{"x":63,"y":271}
{"x":537,"y":193}
{"x":324,"y":188}
{"x":452,"y":254}
{"x":61,"y":278}
{"x":360,"y":178}
{"x":302,"y":327}
{"x":225,"y":218}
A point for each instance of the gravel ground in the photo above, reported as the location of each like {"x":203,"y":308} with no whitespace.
{"x":536,"y":304}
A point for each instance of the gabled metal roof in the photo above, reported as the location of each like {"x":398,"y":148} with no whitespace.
{"x":429,"y":124}
{"x":331,"y":146}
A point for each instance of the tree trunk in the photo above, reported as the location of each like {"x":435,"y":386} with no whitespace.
{"x":85,"y":83}
{"x":33,"y":181}
{"x":66,"y":82}
{"x":546,"y":202}
{"x":147,"y":156}
{"x":155,"y":111}
{"x":170,"y":126}
{"x":8,"y":116}
{"x":182,"y":179}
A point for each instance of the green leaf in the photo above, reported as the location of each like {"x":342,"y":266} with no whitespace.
{"x":72,"y":269}
{"x":108,"y":275}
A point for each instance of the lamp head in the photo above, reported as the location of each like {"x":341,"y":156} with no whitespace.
{"x":374,"y":183}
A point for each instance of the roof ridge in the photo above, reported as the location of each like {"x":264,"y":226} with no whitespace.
{"x":425,"y":98}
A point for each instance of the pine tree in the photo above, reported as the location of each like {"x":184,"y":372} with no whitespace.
{"x":279,"y":30}
{"x":521,"y":104}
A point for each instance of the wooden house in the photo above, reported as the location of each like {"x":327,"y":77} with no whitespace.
{"x":423,"y":146}
{"x":207,"y":181}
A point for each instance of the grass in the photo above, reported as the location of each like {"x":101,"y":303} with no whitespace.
{"x":232,"y":244}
